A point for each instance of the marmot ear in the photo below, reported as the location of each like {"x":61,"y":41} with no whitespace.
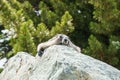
{"x":59,"y":36}
{"x":56,"y":35}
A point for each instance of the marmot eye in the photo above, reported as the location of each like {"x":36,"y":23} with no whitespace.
{"x":65,"y":40}
{"x":61,"y":37}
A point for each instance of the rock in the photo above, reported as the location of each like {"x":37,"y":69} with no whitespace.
{"x":2,"y":62}
{"x":58,"y":63}
{"x":18,"y":67}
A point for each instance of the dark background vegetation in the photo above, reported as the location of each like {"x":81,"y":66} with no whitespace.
{"x":93,"y":25}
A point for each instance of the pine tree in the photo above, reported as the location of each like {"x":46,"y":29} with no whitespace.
{"x":25,"y":41}
{"x":104,"y":41}
{"x":65,"y":26}
{"x":42,"y":33}
{"x":31,"y":28}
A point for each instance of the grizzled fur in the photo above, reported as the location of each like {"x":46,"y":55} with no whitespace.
{"x":59,"y":39}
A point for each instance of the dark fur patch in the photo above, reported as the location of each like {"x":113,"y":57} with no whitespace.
{"x":40,"y":53}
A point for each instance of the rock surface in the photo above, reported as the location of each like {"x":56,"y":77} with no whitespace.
{"x":58,"y":63}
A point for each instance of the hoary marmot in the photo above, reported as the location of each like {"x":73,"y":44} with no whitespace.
{"x":59,"y":39}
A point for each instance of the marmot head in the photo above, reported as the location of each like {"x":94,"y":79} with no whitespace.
{"x":64,"y":40}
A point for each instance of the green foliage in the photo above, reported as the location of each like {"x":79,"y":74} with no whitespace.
{"x":1,"y":70}
{"x":41,"y":33}
{"x":30,"y":28}
{"x":65,"y":26}
{"x":25,"y":40}
{"x":47,"y":16}
{"x":93,"y":42}
{"x":107,"y":17}
{"x":105,"y":27}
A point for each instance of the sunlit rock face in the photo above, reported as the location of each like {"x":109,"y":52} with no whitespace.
{"x":58,"y":63}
